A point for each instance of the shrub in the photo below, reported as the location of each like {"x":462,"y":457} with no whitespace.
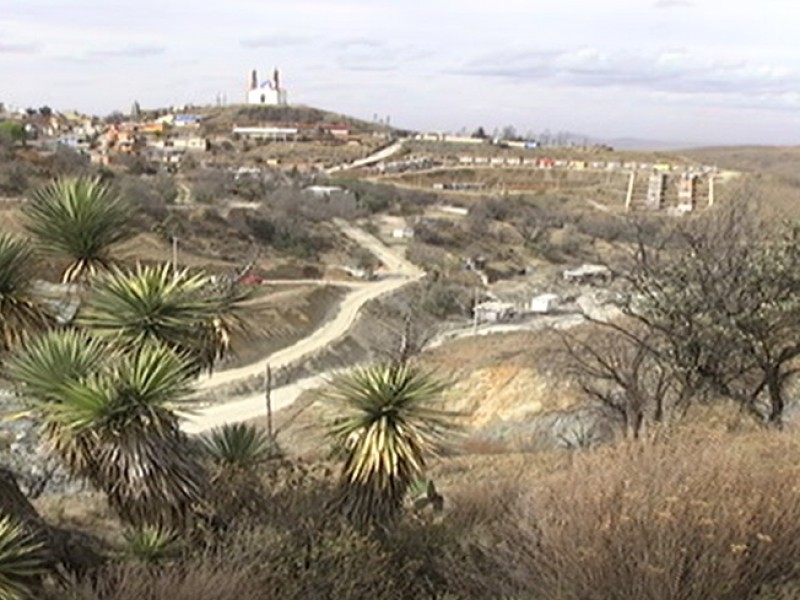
{"x":690,"y":519}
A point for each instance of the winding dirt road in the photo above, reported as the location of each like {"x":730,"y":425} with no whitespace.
{"x":398,"y":273}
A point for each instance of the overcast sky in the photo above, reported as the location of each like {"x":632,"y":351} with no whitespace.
{"x":699,"y":71}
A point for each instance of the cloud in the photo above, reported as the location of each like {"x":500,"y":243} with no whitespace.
{"x":677,"y":71}
{"x":673,"y":4}
{"x":29,"y":48}
{"x":366,"y":54}
{"x":134,"y":51}
{"x":356,"y":42}
{"x":274,"y":41}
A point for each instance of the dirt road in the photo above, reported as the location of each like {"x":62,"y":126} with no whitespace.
{"x":398,"y":273}
{"x":378,"y":156}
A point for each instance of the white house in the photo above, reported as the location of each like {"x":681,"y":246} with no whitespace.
{"x":401,"y":233}
{"x":275,"y":133}
{"x":492,"y":311}
{"x":588,"y":274}
{"x":544,"y":303}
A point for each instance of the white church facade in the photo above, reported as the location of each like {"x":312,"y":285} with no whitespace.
{"x":268,"y":93}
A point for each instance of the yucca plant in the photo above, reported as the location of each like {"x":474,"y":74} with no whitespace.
{"x":387,"y":427}
{"x":80,"y":218}
{"x":23,"y":561}
{"x":151,"y":544}
{"x":236,"y":446}
{"x":113,"y":422}
{"x":234,"y":452}
{"x":183,"y":310}
{"x":21,"y":312}
{"x":42,"y":371}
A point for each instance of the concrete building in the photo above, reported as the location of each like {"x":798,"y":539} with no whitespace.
{"x":264,"y":133}
{"x":544,"y":303}
{"x":269,"y":93}
{"x":588,"y":274}
{"x":493,"y":311}
{"x":655,"y":190}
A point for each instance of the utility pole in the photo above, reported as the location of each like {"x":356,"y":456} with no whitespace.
{"x":475,"y":313}
{"x":174,"y":255}
{"x":268,"y":399}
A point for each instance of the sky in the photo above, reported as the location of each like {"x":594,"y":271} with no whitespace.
{"x":683,"y":71}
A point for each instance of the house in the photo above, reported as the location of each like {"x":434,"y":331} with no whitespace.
{"x":401,"y":233}
{"x":544,"y":303}
{"x":186,"y":120}
{"x":262,"y":133}
{"x":588,"y":274}
{"x":194,"y":143}
{"x":493,"y":311}
{"x":323,"y":191}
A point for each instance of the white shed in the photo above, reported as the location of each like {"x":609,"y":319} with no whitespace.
{"x":493,"y":311}
{"x":544,"y":303}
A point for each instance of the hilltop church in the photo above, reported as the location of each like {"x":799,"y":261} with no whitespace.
{"x":268,"y":92}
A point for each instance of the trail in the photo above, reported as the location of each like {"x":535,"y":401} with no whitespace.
{"x":398,"y":273}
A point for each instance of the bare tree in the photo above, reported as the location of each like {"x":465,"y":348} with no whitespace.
{"x":713,"y":307}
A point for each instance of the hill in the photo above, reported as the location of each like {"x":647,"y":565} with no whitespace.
{"x":772,"y":171}
{"x":220,"y":119}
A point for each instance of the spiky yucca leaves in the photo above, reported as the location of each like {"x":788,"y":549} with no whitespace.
{"x":186,"y":311}
{"x":43,"y":369}
{"x":236,"y":446}
{"x":22,"y":561}
{"x":234,"y":453}
{"x":21,"y":313}
{"x":80,"y":218}
{"x":113,"y":424}
{"x":150,"y":544}
{"x":387,"y":427}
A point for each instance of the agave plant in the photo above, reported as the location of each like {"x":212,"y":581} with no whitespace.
{"x":183,"y":310}
{"x":235,"y":452}
{"x":23,"y":561}
{"x":43,"y":369}
{"x":151,"y":544}
{"x":236,"y":446}
{"x":387,"y":427}
{"x":80,"y":218}
{"x":21,"y":312}
{"x":109,"y":417}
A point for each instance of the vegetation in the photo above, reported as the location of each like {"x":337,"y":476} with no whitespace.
{"x":189,"y":312}
{"x":80,"y":218}
{"x":107,"y":415}
{"x":711,"y":311}
{"x":22,"y":561}
{"x":21,"y":312}
{"x":387,"y":427}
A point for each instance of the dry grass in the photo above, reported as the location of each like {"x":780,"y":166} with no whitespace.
{"x":687,"y":518}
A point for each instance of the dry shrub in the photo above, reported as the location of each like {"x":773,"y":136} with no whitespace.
{"x":256,"y":563}
{"x":689,"y":518}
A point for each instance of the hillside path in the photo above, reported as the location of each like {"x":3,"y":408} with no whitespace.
{"x":398,"y":273}
{"x":378,"y":156}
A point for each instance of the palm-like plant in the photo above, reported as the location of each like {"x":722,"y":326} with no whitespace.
{"x":151,"y":544}
{"x":113,"y":423}
{"x":21,"y":312}
{"x":186,"y":311}
{"x":234,"y":453}
{"x":22,"y":561}
{"x":80,"y":218}
{"x":387,"y":426}
{"x":236,"y":447}
{"x":43,"y":369}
